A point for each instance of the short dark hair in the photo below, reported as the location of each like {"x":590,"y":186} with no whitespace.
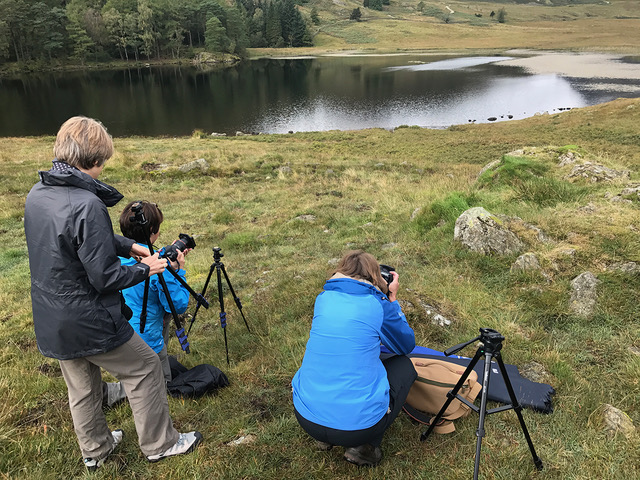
{"x":131,"y":229}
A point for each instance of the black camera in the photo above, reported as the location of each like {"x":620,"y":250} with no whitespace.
{"x":385,"y":271}
{"x":171,"y":251}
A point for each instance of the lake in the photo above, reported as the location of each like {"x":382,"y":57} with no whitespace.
{"x":310,"y":94}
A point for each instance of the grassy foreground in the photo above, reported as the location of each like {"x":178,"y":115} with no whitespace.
{"x":281,"y":207}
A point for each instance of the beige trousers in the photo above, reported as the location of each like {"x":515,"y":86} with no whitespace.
{"x":138,"y":368}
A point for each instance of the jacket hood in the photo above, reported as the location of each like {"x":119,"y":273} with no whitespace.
{"x":351,"y":286}
{"x":72,"y":177}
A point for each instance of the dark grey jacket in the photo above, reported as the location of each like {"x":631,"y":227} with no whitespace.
{"x":75,"y":271}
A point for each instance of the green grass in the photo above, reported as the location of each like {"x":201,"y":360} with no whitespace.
{"x":250,"y":202}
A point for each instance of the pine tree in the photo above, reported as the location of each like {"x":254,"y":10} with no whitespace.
{"x":216,"y":38}
{"x":375,"y":4}
{"x":273,"y":27}
{"x":314,"y":16}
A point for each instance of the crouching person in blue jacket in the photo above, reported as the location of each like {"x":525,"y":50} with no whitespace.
{"x":343,"y":394}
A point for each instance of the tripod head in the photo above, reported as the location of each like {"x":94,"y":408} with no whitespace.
{"x":217,"y":254}
{"x":491,"y":339}
{"x":138,"y":214}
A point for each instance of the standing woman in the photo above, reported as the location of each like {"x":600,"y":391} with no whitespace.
{"x":343,"y":394}
{"x":76,"y":276}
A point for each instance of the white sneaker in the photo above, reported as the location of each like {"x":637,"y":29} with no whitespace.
{"x":185,"y":444}
{"x":93,"y":464}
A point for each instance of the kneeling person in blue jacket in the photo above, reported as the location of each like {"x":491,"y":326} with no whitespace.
{"x":343,"y":393}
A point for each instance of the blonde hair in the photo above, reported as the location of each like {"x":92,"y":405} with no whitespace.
{"x":361,"y":265}
{"x":83,"y":142}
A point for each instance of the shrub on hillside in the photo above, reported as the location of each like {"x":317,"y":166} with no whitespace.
{"x":529,"y":180}
{"x":444,"y":211}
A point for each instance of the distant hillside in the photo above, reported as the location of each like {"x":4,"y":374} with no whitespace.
{"x":403,"y":25}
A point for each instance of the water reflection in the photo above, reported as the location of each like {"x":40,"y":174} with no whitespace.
{"x":451,"y":64}
{"x":277,"y":96}
{"x":500,"y":98}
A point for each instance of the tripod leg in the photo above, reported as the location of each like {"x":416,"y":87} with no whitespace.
{"x":483,"y":411}
{"x":518,"y":409}
{"x":223,"y":314}
{"x":235,"y":297}
{"x":451,"y":396}
{"x":145,"y":299}
{"x":204,"y":289}
{"x":180,"y":333}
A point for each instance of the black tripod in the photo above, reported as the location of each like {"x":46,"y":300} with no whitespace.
{"x":218,"y":266}
{"x":141,"y":220}
{"x":491,"y":345}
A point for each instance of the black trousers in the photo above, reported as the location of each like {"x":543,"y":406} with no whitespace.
{"x":401,"y":375}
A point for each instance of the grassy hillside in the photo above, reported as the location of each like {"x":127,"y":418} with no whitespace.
{"x":282,"y":207}
{"x":407,"y":25}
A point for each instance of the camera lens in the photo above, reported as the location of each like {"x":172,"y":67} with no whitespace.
{"x":385,"y":272}
{"x":171,"y":251}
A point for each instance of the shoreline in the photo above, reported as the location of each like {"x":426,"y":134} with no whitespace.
{"x":540,"y":62}
{"x":576,"y":65}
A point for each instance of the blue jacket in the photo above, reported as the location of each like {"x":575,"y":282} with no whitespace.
{"x":342,"y":383}
{"x":156,"y":304}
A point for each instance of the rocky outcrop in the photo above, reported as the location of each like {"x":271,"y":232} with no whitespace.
{"x":584,"y":294}
{"x":628,"y":268}
{"x":526,"y":263}
{"x":616,"y":421}
{"x":568,"y":158}
{"x":489,"y":166}
{"x":482,"y":232}
{"x":595,"y":173}
{"x":201,"y":164}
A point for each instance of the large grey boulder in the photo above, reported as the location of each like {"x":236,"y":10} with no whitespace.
{"x":584,"y":294}
{"x":482,"y":232}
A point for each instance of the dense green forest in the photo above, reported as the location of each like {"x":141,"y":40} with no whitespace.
{"x":101,"y":30}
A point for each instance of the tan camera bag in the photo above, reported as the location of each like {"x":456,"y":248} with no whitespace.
{"x":428,"y":394}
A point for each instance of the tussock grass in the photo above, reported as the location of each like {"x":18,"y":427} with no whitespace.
{"x":282,"y":207}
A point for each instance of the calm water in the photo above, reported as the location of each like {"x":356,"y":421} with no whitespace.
{"x":277,"y":96}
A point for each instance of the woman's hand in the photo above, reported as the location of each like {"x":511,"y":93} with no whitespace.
{"x":180,"y":260}
{"x":156,"y":264}
{"x":393,"y":286}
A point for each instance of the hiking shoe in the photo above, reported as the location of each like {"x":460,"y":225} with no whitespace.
{"x":364,"y":456}
{"x":112,"y":394}
{"x":92,"y":464}
{"x":185,"y":444}
{"x":324,"y":446}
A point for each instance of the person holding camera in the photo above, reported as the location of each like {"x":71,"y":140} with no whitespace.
{"x":76,"y":277}
{"x":343,"y":393}
{"x":157,"y":304}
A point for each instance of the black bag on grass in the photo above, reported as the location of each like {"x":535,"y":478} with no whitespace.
{"x":195,"y":382}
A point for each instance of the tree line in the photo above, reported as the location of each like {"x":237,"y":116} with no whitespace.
{"x":101,"y":30}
